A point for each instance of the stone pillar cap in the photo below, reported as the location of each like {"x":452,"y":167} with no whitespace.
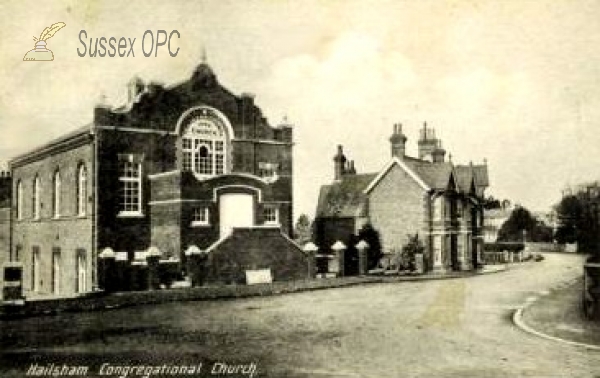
{"x":338,"y":246}
{"x":153,"y":252}
{"x":107,"y":253}
{"x":193,"y":250}
{"x":362,"y":245}
{"x":310,"y":247}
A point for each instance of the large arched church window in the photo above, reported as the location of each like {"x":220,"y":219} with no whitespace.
{"x":204,"y":144}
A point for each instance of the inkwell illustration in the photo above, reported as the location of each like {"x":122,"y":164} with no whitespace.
{"x":41,"y":52}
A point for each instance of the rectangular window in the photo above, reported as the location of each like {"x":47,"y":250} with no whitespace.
{"x":187,"y":154}
{"x":130,"y":178}
{"x":219,"y":158}
{"x":200,"y":217}
{"x":271,"y":214}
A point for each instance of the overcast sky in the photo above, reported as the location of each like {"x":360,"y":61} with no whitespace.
{"x":516,"y":82}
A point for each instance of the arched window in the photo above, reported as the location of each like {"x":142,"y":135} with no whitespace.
{"x":56,"y":194}
{"x":19,"y":200}
{"x":35,"y":200}
{"x":81,"y":190}
{"x":204,"y":145}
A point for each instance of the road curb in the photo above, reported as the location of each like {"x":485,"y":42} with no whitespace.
{"x":520,"y":323}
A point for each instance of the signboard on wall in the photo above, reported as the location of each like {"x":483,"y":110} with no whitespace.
{"x":258,"y":276}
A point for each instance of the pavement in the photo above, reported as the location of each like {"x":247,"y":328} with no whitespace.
{"x":442,"y":328}
{"x":557,"y":314}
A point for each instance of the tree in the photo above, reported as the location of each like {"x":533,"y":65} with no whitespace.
{"x":411,"y":249}
{"x":369,"y":234}
{"x":302,"y":230}
{"x":578,"y":215}
{"x":520,"y":222}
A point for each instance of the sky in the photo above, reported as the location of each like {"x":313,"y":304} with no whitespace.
{"x":513,"y":82}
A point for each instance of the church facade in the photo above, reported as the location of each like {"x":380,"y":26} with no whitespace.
{"x":177,"y":166}
{"x":437,"y":200}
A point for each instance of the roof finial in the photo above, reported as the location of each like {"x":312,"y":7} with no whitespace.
{"x":203,"y":55}
{"x":450,"y":157}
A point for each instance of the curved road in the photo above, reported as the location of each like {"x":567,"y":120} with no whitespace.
{"x":451,"y":328}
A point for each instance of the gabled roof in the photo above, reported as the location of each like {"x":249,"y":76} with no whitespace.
{"x":435,"y":175}
{"x":348,"y":197}
{"x":466,"y":173}
{"x":344,"y":198}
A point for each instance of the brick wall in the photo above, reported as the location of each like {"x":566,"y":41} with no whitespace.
{"x":256,"y":248}
{"x":68,"y":234}
{"x":396,"y":209}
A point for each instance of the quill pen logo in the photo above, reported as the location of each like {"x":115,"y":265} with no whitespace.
{"x":40,"y":52}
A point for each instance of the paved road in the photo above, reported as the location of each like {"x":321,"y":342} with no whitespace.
{"x":451,"y":328}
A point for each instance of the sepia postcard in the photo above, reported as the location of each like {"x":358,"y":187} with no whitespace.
{"x":291,"y":188}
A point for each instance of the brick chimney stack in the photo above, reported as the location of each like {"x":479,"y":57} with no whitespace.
{"x":339,"y":162}
{"x":398,"y":142}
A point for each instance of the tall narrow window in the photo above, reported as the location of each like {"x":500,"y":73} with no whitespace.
{"x":81,"y":271}
{"x":19,"y":200}
{"x":130,"y":177}
{"x":35,"y":269}
{"x":81,"y":190}
{"x":35,"y":200}
{"x":56,"y":271}
{"x":56,"y":194}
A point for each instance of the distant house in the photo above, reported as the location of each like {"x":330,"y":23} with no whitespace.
{"x":440,"y":201}
{"x":493,"y":221}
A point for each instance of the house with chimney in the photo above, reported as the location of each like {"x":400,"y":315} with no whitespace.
{"x":428,"y":196}
{"x":189,"y":165}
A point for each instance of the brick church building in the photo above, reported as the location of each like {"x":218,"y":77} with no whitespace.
{"x":437,"y":200}
{"x":187,"y":165}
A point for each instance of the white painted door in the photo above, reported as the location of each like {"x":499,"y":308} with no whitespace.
{"x":235,"y":210}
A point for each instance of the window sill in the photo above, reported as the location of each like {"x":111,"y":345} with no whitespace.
{"x":272,"y":224}
{"x":199,"y":224}
{"x":130,"y":214}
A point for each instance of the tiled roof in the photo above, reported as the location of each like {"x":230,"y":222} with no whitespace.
{"x":435,"y":175}
{"x":464,"y":178}
{"x":465,"y":172}
{"x":344,"y":198}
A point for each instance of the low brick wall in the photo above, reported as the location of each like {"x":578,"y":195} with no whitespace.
{"x":102,"y":301}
